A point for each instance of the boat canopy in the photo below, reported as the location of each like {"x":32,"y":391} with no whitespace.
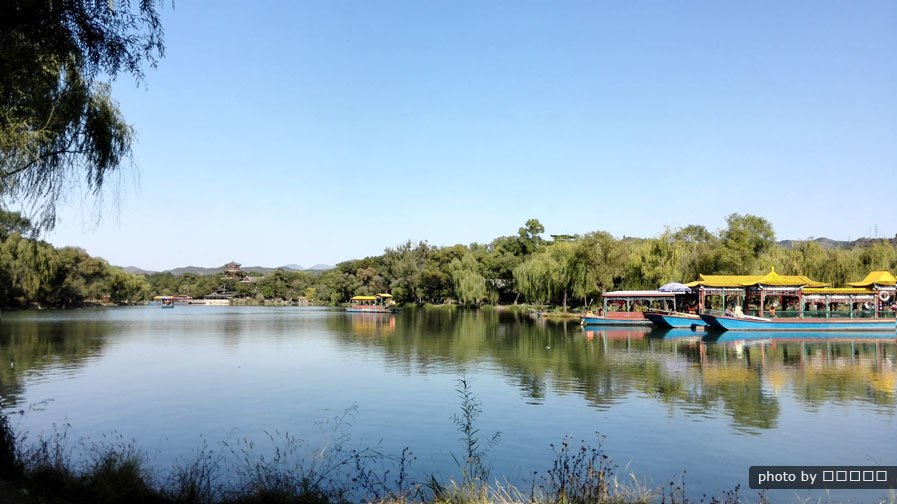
{"x":675,"y":287}
{"x":837,"y":291}
{"x":162,"y":298}
{"x":772,"y":279}
{"x":875,"y":278}
{"x":639,"y":294}
{"x":370,"y":298}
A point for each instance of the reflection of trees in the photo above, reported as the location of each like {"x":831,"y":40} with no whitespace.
{"x":28,"y":346}
{"x":740,"y":389}
{"x":846,"y":371}
{"x":818,"y":371}
{"x":605,"y":366}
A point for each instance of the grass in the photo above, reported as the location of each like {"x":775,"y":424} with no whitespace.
{"x":114,"y":471}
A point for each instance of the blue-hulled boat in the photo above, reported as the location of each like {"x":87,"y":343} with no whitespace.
{"x":670,"y":320}
{"x":747,"y":323}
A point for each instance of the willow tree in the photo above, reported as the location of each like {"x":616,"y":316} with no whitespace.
{"x":58,"y":122}
{"x":805,"y":258}
{"x":841,"y":267}
{"x":656,"y":261}
{"x":470,"y":284}
{"x":881,"y":255}
{"x":549,"y":273}
{"x":599,"y":262}
{"x":697,"y":255}
{"x":529,"y":278}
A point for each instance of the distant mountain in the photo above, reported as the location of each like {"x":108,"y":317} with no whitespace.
{"x":199,"y":270}
{"x":196,"y":270}
{"x":828,"y":243}
{"x":138,"y":271}
{"x":825,"y":243}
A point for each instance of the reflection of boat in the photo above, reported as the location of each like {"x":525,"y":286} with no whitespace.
{"x":373,"y":325}
{"x":165,"y":301}
{"x":615,"y":319}
{"x":615,"y":334}
{"x":747,"y":323}
{"x":378,"y":303}
{"x":674,"y":319}
{"x":677,"y":333}
{"x":796,"y":336}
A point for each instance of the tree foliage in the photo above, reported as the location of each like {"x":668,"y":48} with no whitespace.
{"x":33,"y":273}
{"x":58,"y":121}
{"x":470,"y":285}
{"x":745,"y":239}
{"x":570,"y":270}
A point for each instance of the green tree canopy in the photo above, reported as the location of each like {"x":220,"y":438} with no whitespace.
{"x":58,"y":121}
{"x":745,"y":239}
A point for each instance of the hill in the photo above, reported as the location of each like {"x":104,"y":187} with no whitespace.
{"x":199,"y":270}
{"x":828,"y":243}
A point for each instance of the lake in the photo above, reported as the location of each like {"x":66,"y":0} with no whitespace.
{"x":664,"y":404}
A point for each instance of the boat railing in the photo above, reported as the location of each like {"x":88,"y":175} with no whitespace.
{"x":665,"y":312}
{"x":816,"y":314}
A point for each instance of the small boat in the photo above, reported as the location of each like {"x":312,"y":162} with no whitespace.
{"x":749,"y":323}
{"x":670,"y":320}
{"x":627,"y":308}
{"x":165,"y":301}
{"x":589,"y":319}
{"x":378,"y":303}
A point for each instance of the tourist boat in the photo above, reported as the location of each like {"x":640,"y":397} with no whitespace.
{"x":749,"y":323}
{"x":811,"y":306}
{"x":637,"y":308}
{"x":165,"y":301}
{"x":627,"y":308}
{"x":670,"y":320}
{"x":378,"y":303}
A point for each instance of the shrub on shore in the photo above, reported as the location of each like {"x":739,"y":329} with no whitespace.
{"x":114,"y":471}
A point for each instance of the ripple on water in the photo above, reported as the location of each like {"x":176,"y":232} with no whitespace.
{"x":172,"y":379}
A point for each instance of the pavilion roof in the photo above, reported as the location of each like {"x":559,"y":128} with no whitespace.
{"x":875,"y":278}
{"x":772,"y":279}
{"x":837,"y":290}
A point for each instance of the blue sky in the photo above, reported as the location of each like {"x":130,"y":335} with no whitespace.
{"x":319,"y":131}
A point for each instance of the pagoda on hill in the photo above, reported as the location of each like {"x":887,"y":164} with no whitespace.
{"x":232,"y":270}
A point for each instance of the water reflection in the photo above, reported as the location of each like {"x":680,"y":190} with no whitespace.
{"x":743,"y":375}
{"x":55,"y":346}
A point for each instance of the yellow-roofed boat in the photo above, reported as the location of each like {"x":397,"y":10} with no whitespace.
{"x":797,"y":303}
{"x":378,"y":303}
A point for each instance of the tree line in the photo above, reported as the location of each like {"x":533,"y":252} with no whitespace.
{"x":34,"y":273}
{"x":526,"y":267}
{"x":564,"y":270}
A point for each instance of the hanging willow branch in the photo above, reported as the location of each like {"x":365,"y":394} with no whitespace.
{"x":59,"y":125}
